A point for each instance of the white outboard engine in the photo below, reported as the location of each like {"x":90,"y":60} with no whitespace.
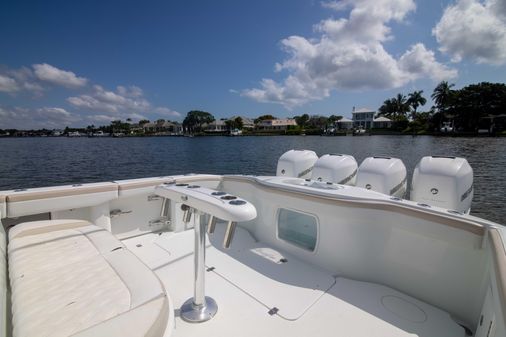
{"x":296,"y":163}
{"x":383,"y":174}
{"x":444,"y":182}
{"x":336,"y":168}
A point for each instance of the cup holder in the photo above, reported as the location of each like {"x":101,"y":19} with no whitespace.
{"x":228,"y":197}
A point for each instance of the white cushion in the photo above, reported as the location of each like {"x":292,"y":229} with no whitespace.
{"x":44,"y":226}
{"x":148,"y":320}
{"x":67,"y":278}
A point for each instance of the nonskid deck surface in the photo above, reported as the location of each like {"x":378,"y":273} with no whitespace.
{"x":249,"y":280}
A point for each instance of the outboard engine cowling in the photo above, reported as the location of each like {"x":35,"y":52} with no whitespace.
{"x":296,"y":163}
{"x":444,"y":182}
{"x":336,"y":168}
{"x":383,"y":174}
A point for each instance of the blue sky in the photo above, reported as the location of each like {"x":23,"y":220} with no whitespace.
{"x":80,"y":63}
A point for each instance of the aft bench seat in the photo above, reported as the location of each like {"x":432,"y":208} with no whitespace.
{"x":70,"y":277}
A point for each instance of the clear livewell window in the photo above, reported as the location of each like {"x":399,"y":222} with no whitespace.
{"x":297,"y":228}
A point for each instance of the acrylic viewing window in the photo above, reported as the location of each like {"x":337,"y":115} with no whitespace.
{"x":297,"y":228}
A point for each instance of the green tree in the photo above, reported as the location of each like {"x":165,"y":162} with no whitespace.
{"x":333,"y":119}
{"x":387,"y":109}
{"x":195,"y":119}
{"x":415,"y":99}
{"x":263,"y":118}
{"x":235,"y":123}
{"x":443,"y":96}
{"x":395,"y":108}
{"x":143,"y":121}
{"x":318,"y":122}
{"x":302,"y":120}
{"x":478,"y":105}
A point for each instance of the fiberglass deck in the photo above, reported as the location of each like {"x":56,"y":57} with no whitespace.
{"x":250,"y":279}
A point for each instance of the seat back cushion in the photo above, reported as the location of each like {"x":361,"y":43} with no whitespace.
{"x":68,"y":277}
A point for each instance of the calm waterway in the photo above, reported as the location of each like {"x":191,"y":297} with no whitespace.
{"x":37,"y":162}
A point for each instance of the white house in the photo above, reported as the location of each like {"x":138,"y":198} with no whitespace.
{"x":363,"y":118}
{"x":216,"y":126}
{"x":276,"y":124}
{"x":382,"y":123}
{"x":247,"y":123}
{"x":345,"y":124}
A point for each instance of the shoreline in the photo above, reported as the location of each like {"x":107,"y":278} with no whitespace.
{"x":273,"y":134}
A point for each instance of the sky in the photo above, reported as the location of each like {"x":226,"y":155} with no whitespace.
{"x":70,"y":63}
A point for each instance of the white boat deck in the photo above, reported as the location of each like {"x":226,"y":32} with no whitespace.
{"x":250,"y":279}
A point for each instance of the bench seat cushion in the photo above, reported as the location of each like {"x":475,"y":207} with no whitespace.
{"x":69,"y":276}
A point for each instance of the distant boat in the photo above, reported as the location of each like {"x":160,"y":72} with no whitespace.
{"x":235,"y":132}
{"x":100,"y":134}
{"x":447,"y":127}
{"x":359,"y":132}
{"x":118,"y":134}
{"x":74,"y":134}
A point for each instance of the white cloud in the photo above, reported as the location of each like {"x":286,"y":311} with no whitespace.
{"x":28,"y":118}
{"x":109,"y":101}
{"x":419,"y":62}
{"x":34,"y":81}
{"x":48,"y":73}
{"x":8,"y":84}
{"x":475,"y":30}
{"x":349,"y":55}
{"x":13,"y":81}
{"x":167,"y":112}
{"x":125,"y":102}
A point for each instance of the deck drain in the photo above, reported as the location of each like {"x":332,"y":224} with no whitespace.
{"x":138,"y":245}
{"x":210,"y":269}
{"x":283,"y":260}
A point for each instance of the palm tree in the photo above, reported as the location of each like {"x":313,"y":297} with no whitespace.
{"x":400,"y":105}
{"x":387,"y":109}
{"x":415,"y":100}
{"x":442,"y":95}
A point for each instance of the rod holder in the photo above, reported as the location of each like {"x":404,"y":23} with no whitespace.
{"x":187,"y":213}
{"x":200,"y":308}
{"x":211,"y":224}
{"x":229,"y":234}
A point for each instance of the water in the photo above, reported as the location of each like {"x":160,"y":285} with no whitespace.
{"x":36,"y":162}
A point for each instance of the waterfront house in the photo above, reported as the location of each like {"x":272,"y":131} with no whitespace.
{"x":382,"y":123}
{"x":247,"y":123}
{"x":163,"y":127}
{"x":276,"y":124}
{"x":363,"y":117}
{"x":216,"y":126}
{"x":345,"y":124}
{"x":136,"y":128}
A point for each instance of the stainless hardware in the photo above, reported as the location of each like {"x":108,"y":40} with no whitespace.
{"x":154,"y":197}
{"x":187,"y":213}
{"x":117,"y":212}
{"x":211,"y":224}
{"x":161,"y":221}
{"x":229,"y":234}
{"x":165,"y":211}
{"x":200,"y":308}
